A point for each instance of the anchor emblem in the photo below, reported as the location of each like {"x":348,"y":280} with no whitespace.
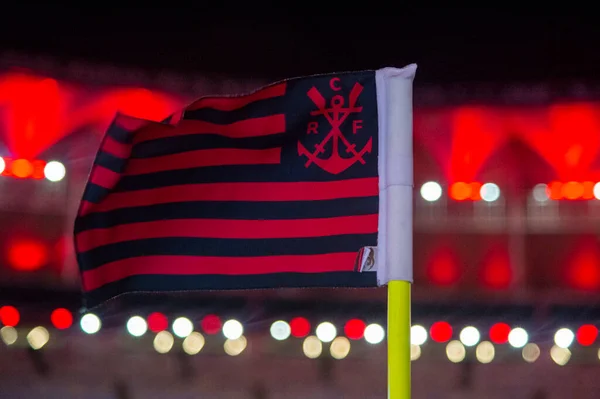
{"x":336,"y":114}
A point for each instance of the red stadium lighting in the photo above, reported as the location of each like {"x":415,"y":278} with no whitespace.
{"x":300,"y":327}
{"x":499,"y":333}
{"x":441,"y":331}
{"x":157,"y":322}
{"x":9,"y":316}
{"x":355,"y":329}
{"x":587,"y":334}
{"x":211,"y":324}
{"x":61,"y":318}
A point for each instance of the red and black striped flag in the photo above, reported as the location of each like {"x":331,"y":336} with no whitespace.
{"x":278,"y":188}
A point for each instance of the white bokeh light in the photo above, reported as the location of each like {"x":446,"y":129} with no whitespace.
{"x":564,"y":338}
{"x":90,"y":323}
{"x":2,"y":165}
{"x":137,"y":326}
{"x":233,"y":329}
{"x":597,"y":190}
{"x":182,"y":327}
{"x":280,"y":330}
{"x":560,"y":356}
{"x":431,"y":191}
{"x":540,"y":192}
{"x":374,"y":333}
{"x":456,"y":351}
{"x":163,"y":342}
{"x":326,"y":332}
{"x":485,"y":352}
{"x":518,"y":337}
{"x":38,"y":337}
{"x":418,"y":335}
{"x":469,"y":336}
{"x":489,"y":192}
{"x":54,"y":171}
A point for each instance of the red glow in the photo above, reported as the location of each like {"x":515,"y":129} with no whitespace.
{"x":38,"y":112}
{"x":21,"y":168}
{"x":9,"y":316}
{"x":300,"y":327}
{"x":555,"y":190}
{"x":27,"y":255}
{"x":442,"y":268}
{"x":583,"y":270}
{"x":441,"y":331}
{"x":499,"y":333}
{"x":24,"y":169}
{"x":157,"y":322}
{"x":211,"y":324}
{"x":497,"y":272}
{"x":461,"y":191}
{"x":477,"y":132}
{"x":61,"y":318}
{"x":587,"y":334}
{"x":571,"y":190}
{"x":355,"y":329}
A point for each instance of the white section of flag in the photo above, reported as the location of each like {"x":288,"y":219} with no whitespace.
{"x":394,"y":252}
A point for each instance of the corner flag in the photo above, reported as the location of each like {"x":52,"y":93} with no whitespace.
{"x":303,"y":183}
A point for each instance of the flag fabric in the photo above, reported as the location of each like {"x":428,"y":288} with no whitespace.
{"x":285,"y":187}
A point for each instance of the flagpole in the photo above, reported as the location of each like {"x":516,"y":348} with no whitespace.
{"x":399,"y":375}
{"x":395,"y":239}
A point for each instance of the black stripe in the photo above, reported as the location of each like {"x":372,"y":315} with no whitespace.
{"x":288,"y":210}
{"x":237,"y":173}
{"x":256,"y":109}
{"x":111,"y":162}
{"x":191,"y":142}
{"x":94,"y":193}
{"x":185,"y":246}
{"x":142,"y":284}
{"x":119,"y":133}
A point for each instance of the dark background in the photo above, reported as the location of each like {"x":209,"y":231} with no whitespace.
{"x":449,"y":44}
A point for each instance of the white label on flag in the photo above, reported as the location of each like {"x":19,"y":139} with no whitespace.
{"x":366,"y":260}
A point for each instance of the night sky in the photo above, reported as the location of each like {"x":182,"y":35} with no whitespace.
{"x":449,"y":45}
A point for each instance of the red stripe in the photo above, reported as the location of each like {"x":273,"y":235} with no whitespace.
{"x":194,"y":265}
{"x":253,"y":127}
{"x":85,"y":207}
{"x":104,"y":177}
{"x":232,"y":103}
{"x":202,"y":158}
{"x":115,"y":148}
{"x":296,"y":191}
{"x":228,"y":229}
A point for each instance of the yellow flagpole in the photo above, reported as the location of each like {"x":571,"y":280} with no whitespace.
{"x":398,"y":339}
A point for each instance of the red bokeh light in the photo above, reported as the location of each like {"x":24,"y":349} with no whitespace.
{"x":499,"y":333}
{"x":211,"y":324}
{"x":27,"y":255}
{"x":61,"y":318}
{"x":583,"y":269}
{"x":355,"y":329}
{"x":21,"y":168}
{"x":300,"y":327}
{"x":157,"y":322}
{"x":442,"y":268}
{"x":587,"y":334}
{"x":441,"y":331}
{"x":9,"y":316}
{"x":496,"y":272}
